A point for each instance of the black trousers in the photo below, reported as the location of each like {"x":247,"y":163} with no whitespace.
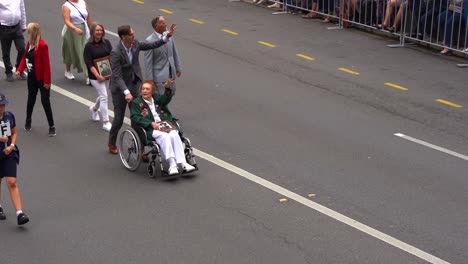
{"x":33,"y":87}
{"x":8,"y":35}
{"x":120,"y":105}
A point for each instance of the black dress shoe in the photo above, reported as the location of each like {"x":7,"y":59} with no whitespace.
{"x":22,"y":219}
{"x":2,"y":214}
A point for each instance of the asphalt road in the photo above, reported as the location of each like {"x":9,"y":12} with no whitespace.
{"x":302,"y":124}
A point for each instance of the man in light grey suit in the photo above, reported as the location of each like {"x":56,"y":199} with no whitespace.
{"x":126,"y":74}
{"x":163,"y":63}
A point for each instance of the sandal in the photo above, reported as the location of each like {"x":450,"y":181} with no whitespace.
{"x":310,"y":16}
{"x":446,"y":52}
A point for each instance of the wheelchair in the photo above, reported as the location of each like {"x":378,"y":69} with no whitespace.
{"x":131,"y":150}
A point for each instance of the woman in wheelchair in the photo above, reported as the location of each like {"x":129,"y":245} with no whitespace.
{"x":149,"y":110}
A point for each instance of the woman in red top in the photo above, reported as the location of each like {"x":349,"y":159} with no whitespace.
{"x":36,"y":62}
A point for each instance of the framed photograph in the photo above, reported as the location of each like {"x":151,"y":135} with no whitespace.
{"x":103,"y":66}
{"x":166,"y":126}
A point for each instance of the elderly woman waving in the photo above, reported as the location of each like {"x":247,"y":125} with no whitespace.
{"x":149,"y":111}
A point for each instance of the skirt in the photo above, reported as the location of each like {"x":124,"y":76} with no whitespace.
{"x":73,"y":48}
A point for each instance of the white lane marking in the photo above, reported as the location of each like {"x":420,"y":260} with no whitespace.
{"x":289,"y":194}
{"x":432,"y":146}
{"x":324,"y":210}
{"x":112,"y":33}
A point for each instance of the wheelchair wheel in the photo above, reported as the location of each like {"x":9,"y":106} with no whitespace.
{"x":130,"y":148}
{"x":151,"y":169}
{"x":188,"y":151}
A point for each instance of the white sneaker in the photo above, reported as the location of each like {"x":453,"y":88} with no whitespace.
{"x":260,"y":2}
{"x":275,"y":5}
{"x":87,"y":81}
{"x":69,"y":75}
{"x":94,"y":114}
{"x":107,"y":126}
{"x":173,"y":170}
{"x":187,"y":167}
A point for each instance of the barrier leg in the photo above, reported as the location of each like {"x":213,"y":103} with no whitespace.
{"x":340,"y":17}
{"x":402,"y":32}
{"x":284,"y":11}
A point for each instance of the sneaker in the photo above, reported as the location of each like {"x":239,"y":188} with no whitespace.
{"x":27,"y":126}
{"x":9,"y":77}
{"x":52,"y":132}
{"x":22,"y":219}
{"x":187,"y":167}
{"x":2,"y":214}
{"x":88,"y":82}
{"x":69,"y":75}
{"x":173,"y":170}
{"x":94,"y":114}
{"x":107,"y":126}
{"x":24,"y":76}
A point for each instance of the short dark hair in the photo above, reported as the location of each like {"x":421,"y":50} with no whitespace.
{"x":154,"y":21}
{"x":124,"y":30}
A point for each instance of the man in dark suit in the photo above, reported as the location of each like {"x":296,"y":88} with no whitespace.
{"x":126,"y":74}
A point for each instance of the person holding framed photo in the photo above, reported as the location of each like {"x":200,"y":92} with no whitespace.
{"x":149,"y":110}
{"x":96,"y":56}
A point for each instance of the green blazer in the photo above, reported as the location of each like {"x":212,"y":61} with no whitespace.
{"x":141,"y":114}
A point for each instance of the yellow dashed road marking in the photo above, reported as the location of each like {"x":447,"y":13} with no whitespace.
{"x":396,"y":86}
{"x":166,"y":11}
{"x":449,"y":103}
{"x":230,"y":32}
{"x":266,"y":44}
{"x":348,"y":71}
{"x":305,"y":57}
{"x":283,"y":200}
{"x":138,"y":1}
{"x":197,"y":21}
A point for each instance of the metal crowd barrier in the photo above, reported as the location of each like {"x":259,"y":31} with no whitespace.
{"x":442,"y":24}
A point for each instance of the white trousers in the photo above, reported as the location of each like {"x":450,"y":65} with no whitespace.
{"x":171,"y":145}
{"x":101,"y":101}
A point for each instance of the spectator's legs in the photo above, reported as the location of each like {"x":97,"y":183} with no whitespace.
{"x":451,"y":24}
{"x":313,"y":8}
{"x":400,"y":13}
{"x":391,"y":4}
